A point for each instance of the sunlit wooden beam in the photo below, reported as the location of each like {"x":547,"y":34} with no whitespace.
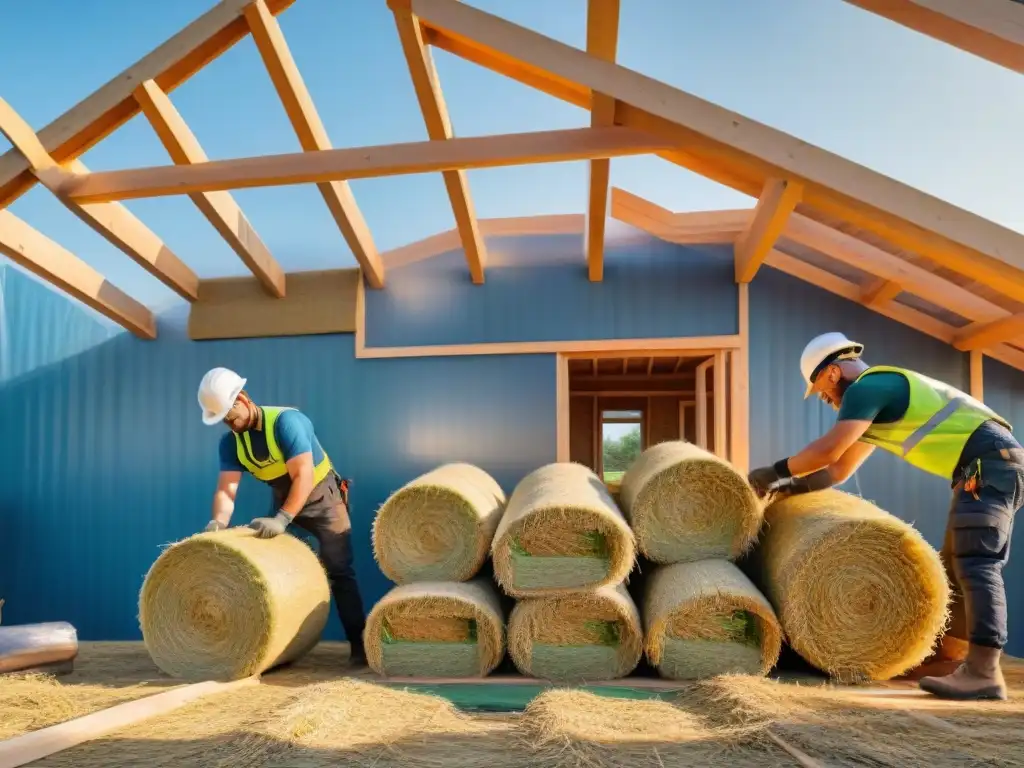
{"x":111,"y":220}
{"x":298,"y":104}
{"x":435,"y":113}
{"x":46,"y":259}
{"x":362,"y":163}
{"x":880,"y":291}
{"x":977,"y":373}
{"x":777,"y":201}
{"x":734,"y":150}
{"x":219,"y":208}
{"x":984,"y":335}
{"x":113,"y":104}
{"x":602,"y":41}
{"x":990,"y":29}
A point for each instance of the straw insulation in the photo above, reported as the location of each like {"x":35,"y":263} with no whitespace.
{"x":576,"y":637}
{"x":561,"y":530}
{"x":436,"y":629}
{"x":707,"y":618}
{"x":686,"y":504}
{"x":860,"y":593}
{"x":226,"y":605}
{"x":438,"y":527}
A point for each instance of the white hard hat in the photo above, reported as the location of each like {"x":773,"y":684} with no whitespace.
{"x":217,"y":393}
{"x":824,"y":350}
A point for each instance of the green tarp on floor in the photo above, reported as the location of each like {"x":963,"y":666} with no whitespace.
{"x":499,"y":697}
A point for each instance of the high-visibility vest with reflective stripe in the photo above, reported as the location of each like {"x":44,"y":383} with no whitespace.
{"x":274,"y":466}
{"x":934,"y":430}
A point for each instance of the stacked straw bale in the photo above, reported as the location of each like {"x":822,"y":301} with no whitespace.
{"x":227,"y":605}
{"x":860,"y":594}
{"x":686,"y":504}
{"x":706,"y":618}
{"x":561,"y":531}
{"x":436,"y":629}
{"x":439,"y":526}
{"x":593,"y":634}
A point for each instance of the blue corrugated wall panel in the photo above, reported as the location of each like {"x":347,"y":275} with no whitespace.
{"x":785,"y":313}
{"x":537,"y":289}
{"x":106,"y":459}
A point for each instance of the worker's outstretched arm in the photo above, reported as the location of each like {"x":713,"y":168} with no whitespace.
{"x":850,"y":462}
{"x":224,"y":500}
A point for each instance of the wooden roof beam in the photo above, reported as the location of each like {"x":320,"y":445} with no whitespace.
{"x":44,"y":258}
{"x":982,"y":336}
{"x":435,"y":113}
{"x":362,"y":162}
{"x":775,"y":205}
{"x":990,"y":29}
{"x":880,"y":292}
{"x":733,"y":149}
{"x":112,"y":105}
{"x":111,"y":220}
{"x":219,"y":208}
{"x":602,"y":41}
{"x":298,"y":104}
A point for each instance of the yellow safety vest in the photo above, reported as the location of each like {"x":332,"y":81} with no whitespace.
{"x":274,"y":466}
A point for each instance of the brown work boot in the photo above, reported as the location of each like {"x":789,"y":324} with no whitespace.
{"x":979,"y":677}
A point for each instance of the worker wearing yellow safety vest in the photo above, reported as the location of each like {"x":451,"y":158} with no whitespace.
{"x":279,"y":447}
{"x":945,"y":432}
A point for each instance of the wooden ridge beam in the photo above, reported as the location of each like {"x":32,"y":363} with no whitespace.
{"x":602,"y":42}
{"x":735,"y":150}
{"x":990,"y":29}
{"x":435,"y":114}
{"x":362,"y":163}
{"x":113,"y":104}
{"x":298,"y":104}
{"x":777,"y":202}
{"x":219,"y":208}
{"x":44,"y":258}
{"x":111,"y":220}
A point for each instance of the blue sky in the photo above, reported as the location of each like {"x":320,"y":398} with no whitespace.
{"x":911,"y":107}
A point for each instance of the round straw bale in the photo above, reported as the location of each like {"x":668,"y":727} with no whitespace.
{"x":228,"y":605}
{"x":707,"y":618}
{"x":860,"y":594}
{"x":438,"y":527}
{"x":436,"y":629}
{"x":687,"y":504}
{"x":561,"y":531}
{"x":578,"y":636}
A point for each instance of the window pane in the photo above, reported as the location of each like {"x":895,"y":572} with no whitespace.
{"x":621,"y":415}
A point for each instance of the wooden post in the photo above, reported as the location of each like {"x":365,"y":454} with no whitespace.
{"x":977,"y":375}
{"x":739,"y":453}
{"x":701,"y":406}
{"x":721,"y":433}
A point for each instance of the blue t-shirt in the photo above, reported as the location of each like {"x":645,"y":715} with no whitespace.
{"x":293,"y":432}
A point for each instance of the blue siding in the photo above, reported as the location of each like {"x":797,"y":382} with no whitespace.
{"x":785,"y":313}
{"x":537,"y":289}
{"x":106,"y":458}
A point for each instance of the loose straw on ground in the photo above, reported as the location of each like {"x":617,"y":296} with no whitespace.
{"x":576,"y":637}
{"x":687,"y":504}
{"x":227,"y":605}
{"x":561,"y":530}
{"x":436,"y":629}
{"x":707,"y":618}
{"x":438,"y":527}
{"x":860,"y":593}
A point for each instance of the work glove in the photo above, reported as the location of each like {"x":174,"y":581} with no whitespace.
{"x":762,"y":478}
{"x":214,"y":525}
{"x":268,"y":527}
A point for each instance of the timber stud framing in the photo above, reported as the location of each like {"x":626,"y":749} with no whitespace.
{"x":910,"y":250}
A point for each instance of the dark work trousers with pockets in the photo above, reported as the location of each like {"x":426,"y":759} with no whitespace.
{"x":326,"y":517}
{"x":988,"y":489}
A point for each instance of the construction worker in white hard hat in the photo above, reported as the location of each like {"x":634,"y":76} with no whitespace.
{"x":945,"y":432}
{"x":279,"y":447}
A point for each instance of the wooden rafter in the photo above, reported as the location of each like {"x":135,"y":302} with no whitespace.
{"x":602,"y":41}
{"x":880,"y":291}
{"x":775,"y":205}
{"x":979,"y":335}
{"x":362,"y":162}
{"x":111,"y":220}
{"x":733,"y":149}
{"x":991,"y":29}
{"x":46,"y":259}
{"x":98,"y":115}
{"x":298,"y":104}
{"x":435,"y":113}
{"x":219,"y":207}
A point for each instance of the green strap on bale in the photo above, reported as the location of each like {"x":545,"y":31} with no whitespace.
{"x":737,"y":652}
{"x":561,"y":571}
{"x":417,"y":658}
